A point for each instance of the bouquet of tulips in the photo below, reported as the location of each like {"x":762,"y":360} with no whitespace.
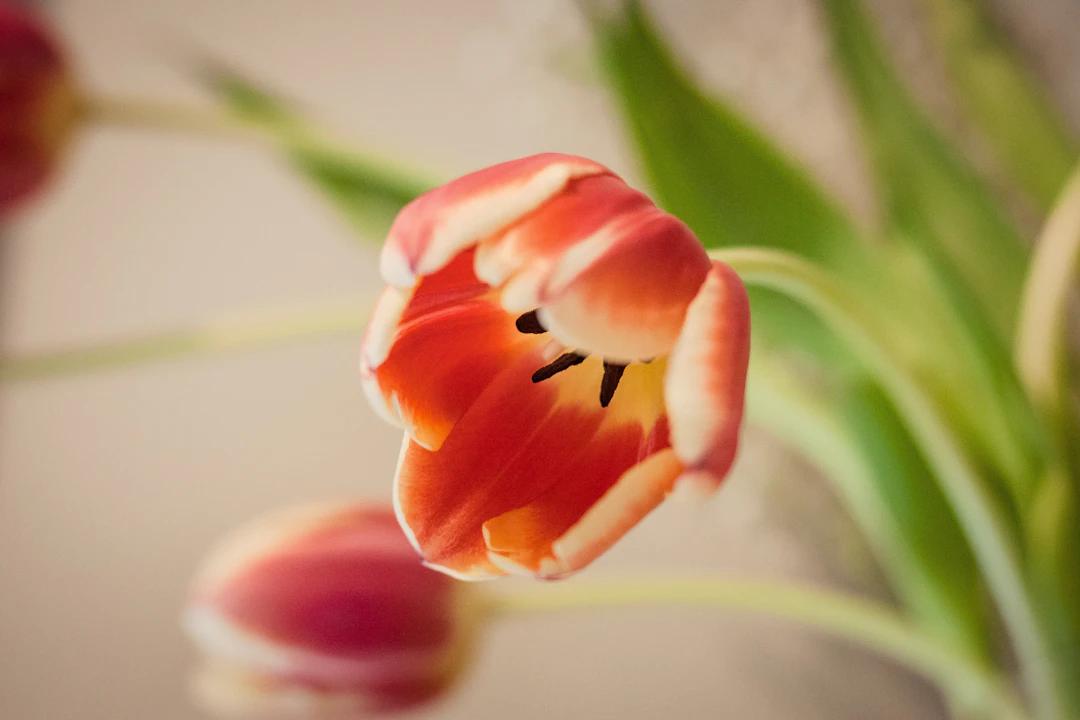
{"x":562,"y":351}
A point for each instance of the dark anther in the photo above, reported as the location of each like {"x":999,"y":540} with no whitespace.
{"x":564,"y":361}
{"x":529,"y":323}
{"x":612,"y":374}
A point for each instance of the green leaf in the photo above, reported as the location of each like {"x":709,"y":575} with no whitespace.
{"x":936,"y":205}
{"x":932,"y":196}
{"x":922,"y":516}
{"x":369,"y":191}
{"x":1024,"y":130}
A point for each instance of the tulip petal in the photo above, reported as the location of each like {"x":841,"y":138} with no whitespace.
{"x":552,"y":537}
{"x":522,"y":257}
{"x":635,"y":495}
{"x":435,"y":227}
{"x":623,"y":292}
{"x":706,"y":377}
{"x":292,"y":582}
{"x":522,"y":443}
{"x":430,"y":352}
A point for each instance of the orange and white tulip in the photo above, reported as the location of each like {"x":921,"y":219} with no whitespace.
{"x":560,"y":352}
{"x":37,"y":104}
{"x":325,"y":613}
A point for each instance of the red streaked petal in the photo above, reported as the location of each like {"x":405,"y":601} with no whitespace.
{"x":430,"y":351}
{"x":524,"y":255}
{"x":624,"y":291}
{"x":453,"y":284}
{"x":440,"y":363}
{"x":637,"y":492}
{"x":441,"y":223}
{"x":520,"y":443}
{"x":574,"y":522}
{"x":706,"y":376}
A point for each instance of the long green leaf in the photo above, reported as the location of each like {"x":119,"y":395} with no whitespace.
{"x":931,"y":193}
{"x":1025,"y":131}
{"x":936,"y":205}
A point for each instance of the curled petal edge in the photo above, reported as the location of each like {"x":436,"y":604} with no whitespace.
{"x":704,"y":387}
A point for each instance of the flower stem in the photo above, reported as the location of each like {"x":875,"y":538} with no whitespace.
{"x":141,"y":113}
{"x":993,"y":538}
{"x":209,"y":338}
{"x":868,"y":624}
{"x":280,"y":130}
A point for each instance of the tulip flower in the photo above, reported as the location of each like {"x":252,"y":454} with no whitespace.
{"x":325,"y":612}
{"x":560,"y":352}
{"x":37,"y":104}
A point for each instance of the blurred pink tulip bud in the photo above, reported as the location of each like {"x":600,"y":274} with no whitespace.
{"x":37,"y":104}
{"x":325,"y":613}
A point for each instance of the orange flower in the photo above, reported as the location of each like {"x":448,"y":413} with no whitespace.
{"x":325,"y":612}
{"x":559,"y":352}
{"x":37,"y":104}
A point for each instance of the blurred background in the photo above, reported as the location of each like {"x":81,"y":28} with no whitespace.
{"x":113,"y":484}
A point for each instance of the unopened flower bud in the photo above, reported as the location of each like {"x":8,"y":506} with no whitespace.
{"x":325,"y":613}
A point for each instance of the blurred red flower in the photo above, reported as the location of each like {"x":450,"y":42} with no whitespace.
{"x":37,"y":104}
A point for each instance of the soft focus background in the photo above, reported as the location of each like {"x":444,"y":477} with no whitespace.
{"x":112,"y":485}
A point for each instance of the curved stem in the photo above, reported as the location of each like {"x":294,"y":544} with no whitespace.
{"x":868,"y":624}
{"x":222,"y":335}
{"x":992,"y":537}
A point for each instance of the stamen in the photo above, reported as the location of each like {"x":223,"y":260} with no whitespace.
{"x":612,"y":374}
{"x":529,"y":323}
{"x":563,"y":362}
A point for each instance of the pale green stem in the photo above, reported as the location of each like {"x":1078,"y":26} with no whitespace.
{"x":266,"y":329}
{"x":992,"y":537}
{"x":148,"y":114}
{"x":217,"y":123}
{"x":870,"y":625}
{"x":1039,"y":351}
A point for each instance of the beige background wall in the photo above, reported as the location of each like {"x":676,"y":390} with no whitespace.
{"x":112,"y":485}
